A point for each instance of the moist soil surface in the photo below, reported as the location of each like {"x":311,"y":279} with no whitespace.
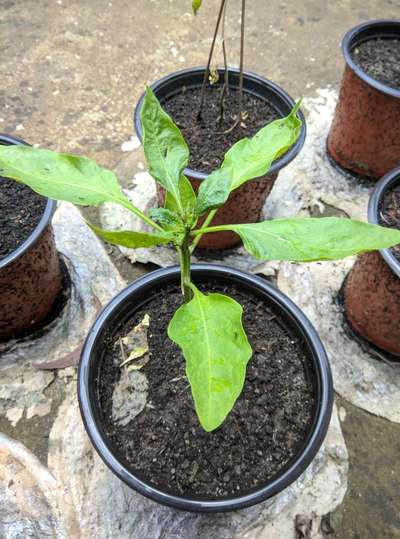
{"x":389,"y":214}
{"x":165,"y":444}
{"x":206,"y":138}
{"x":20,"y":212}
{"x":380,"y":59}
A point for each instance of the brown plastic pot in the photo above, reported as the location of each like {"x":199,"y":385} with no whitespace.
{"x":365,"y":133}
{"x":30,"y":277}
{"x":246,"y":203}
{"x":372,"y":290}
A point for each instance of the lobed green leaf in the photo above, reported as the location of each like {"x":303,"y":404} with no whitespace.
{"x":165,"y":149}
{"x":311,"y":239}
{"x":61,"y":176}
{"x":210,"y":333}
{"x":249,"y":158}
{"x":133,"y":240}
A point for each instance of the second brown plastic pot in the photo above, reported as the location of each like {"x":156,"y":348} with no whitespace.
{"x":246,"y":203}
{"x":372,"y":289}
{"x":365,"y":133}
{"x":30,"y":277}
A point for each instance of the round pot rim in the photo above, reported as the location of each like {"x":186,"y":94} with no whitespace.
{"x":279,"y":163}
{"x":351,"y":39}
{"x":388,"y":181}
{"x":42,"y":224}
{"x":300,"y":462}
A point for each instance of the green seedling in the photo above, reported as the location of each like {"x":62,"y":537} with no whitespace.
{"x":207,"y":327}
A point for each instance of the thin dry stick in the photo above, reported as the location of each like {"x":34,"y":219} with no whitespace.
{"x":225,"y":87}
{"x":207,"y":72}
{"x":241,"y":59}
{"x":242,"y":31}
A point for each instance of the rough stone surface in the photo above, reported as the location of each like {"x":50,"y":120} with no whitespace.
{"x":129,"y":396}
{"x":22,"y":389}
{"x":29,"y":496}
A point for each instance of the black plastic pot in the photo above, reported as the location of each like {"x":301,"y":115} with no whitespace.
{"x":246,"y":203}
{"x":372,"y":290}
{"x":131,"y":299}
{"x":30,"y":277}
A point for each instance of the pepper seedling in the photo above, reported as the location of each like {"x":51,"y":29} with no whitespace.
{"x":207,"y":327}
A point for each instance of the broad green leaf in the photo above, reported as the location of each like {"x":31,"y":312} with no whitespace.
{"x":311,"y":239}
{"x":128,"y":238}
{"x":61,"y":176}
{"x":209,"y":330}
{"x":249,"y":158}
{"x":166,"y":151}
{"x":196,"y":5}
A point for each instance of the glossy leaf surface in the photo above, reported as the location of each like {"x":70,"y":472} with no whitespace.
{"x":165,"y":149}
{"x":61,"y":176}
{"x":311,"y":239}
{"x":249,"y":158}
{"x":128,"y":238}
{"x":210,"y":333}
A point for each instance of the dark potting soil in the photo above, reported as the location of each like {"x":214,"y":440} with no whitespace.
{"x":380,"y":59}
{"x":165,"y":443}
{"x":389,"y":213}
{"x":206,"y":138}
{"x":20,"y":212}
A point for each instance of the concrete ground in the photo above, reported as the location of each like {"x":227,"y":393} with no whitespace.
{"x":71,"y":73}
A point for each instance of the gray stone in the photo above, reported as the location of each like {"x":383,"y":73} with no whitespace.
{"x":22,"y":388}
{"x":129,"y":396}
{"x":29,"y":496}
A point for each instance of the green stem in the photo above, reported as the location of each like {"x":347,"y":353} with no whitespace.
{"x":142,"y":215}
{"x":209,"y":229}
{"x":200,"y":231}
{"x":184,"y":262}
